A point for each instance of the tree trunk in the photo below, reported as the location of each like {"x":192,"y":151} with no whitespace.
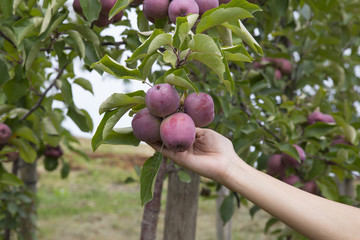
{"x":181,"y":208}
{"x":346,"y":187}
{"x":152,"y":208}
{"x":29,"y":177}
{"x":223,"y":232}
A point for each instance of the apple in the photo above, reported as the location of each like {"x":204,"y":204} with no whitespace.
{"x":146,"y":127}
{"x":205,"y":5}
{"x":292,"y":162}
{"x":200,"y":107}
{"x":319,"y":117}
{"x":5,"y":133}
{"x":311,"y":187}
{"x":275,"y":166}
{"x":292,"y":180}
{"x":154,"y":9}
{"x":162,"y":100}
{"x":182,"y":8}
{"x":177,"y":132}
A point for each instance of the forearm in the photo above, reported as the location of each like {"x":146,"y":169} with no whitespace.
{"x":311,"y":215}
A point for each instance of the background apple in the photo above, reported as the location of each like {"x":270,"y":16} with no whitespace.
{"x":5,"y":133}
{"x":292,"y":162}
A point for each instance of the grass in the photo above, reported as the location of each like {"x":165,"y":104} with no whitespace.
{"x":94,"y":202}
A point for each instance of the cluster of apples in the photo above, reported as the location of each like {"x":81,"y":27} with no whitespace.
{"x":282,"y":66}
{"x":5,"y":136}
{"x":103,"y":20}
{"x":278,"y":163}
{"x":158,"y":9}
{"x":164,"y":120}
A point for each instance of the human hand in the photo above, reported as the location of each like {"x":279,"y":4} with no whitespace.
{"x":211,"y":155}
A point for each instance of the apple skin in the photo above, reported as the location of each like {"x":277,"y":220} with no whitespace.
{"x":182,"y":8}
{"x":146,"y":127}
{"x":340,"y":140}
{"x":12,"y":156}
{"x":178,"y":132}
{"x":319,"y":117}
{"x":136,"y":3}
{"x":311,"y":187}
{"x":224,"y":1}
{"x":77,"y":7}
{"x":162,"y":100}
{"x":200,"y":107}
{"x":103,"y":21}
{"x":205,"y":5}
{"x":275,"y":166}
{"x":278,"y":74}
{"x":292,"y":162}
{"x":118,"y":17}
{"x":54,"y":152}
{"x":292,"y":179}
{"x":154,"y":9}
{"x":5,"y":133}
{"x":107,"y":6}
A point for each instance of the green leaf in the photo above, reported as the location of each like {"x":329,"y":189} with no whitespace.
{"x":244,"y":35}
{"x":78,"y":42}
{"x":270,"y":223}
{"x":112,"y":67}
{"x":12,"y":208}
{"x":119,"y":6}
{"x":182,"y":29}
{"x":142,"y":50}
{"x":28,"y":134}
{"x":51,"y":163}
{"x":27,"y":152}
{"x":227,"y":208}
{"x":147,"y":177}
{"x":51,"y":11}
{"x":288,"y":149}
{"x":33,"y":54}
{"x":4,"y":73}
{"x":85,"y":84}
{"x":170,"y":57}
{"x":159,"y":41}
{"x":114,"y":119}
{"x":318,"y":129}
{"x":221,"y":15}
{"x":91,"y":9}
{"x":328,"y":188}
{"x":179,"y":78}
{"x":184,"y":176}
{"x":10,"y":179}
{"x":147,"y":64}
{"x":116,"y":136}
{"x":65,"y":170}
{"x":120,"y":100}
{"x":205,"y":44}
{"x":237,"y":53}
{"x":81,"y":118}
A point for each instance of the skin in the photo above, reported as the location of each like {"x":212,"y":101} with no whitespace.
{"x":213,"y":156}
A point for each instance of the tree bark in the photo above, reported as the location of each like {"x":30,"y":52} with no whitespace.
{"x":223,"y":232}
{"x":152,"y":208}
{"x":29,"y":177}
{"x":346,"y":187}
{"x":181,"y":207}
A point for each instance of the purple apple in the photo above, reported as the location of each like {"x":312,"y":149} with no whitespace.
{"x":182,"y":8}
{"x":103,"y":20}
{"x":311,"y":187}
{"x":292,"y":162}
{"x":200,"y":107}
{"x":107,"y":5}
{"x":319,"y":117}
{"x":136,"y":3}
{"x":154,"y":9}
{"x":162,"y":100}
{"x":224,"y":1}
{"x":12,"y":156}
{"x":77,"y":7}
{"x":340,"y":140}
{"x":118,"y":16}
{"x":205,"y":5}
{"x":146,"y":127}
{"x":5,"y":133}
{"x":278,"y":74}
{"x":54,"y":152}
{"x":275,"y":166}
{"x":178,"y":132}
{"x":292,"y":180}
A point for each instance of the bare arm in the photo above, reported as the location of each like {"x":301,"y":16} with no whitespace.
{"x":213,"y":156}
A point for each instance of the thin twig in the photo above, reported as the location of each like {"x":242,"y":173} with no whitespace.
{"x":7,"y":38}
{"x":38,"y":103}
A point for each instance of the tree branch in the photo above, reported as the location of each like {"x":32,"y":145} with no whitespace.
{"x":38,"y":103}
{"x":8,"y":39}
